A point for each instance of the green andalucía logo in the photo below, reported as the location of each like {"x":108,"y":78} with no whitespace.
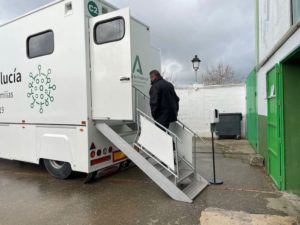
{"x":137,"y":66}
{"x":41,"y":89}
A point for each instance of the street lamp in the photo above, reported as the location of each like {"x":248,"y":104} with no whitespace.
{"x":196,"y":63}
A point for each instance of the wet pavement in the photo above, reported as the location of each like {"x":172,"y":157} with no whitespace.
{"x":28,"y":195}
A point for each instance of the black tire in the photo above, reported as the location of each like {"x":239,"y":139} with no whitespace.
{"x":58,"y":169}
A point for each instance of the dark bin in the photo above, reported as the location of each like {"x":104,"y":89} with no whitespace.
{"x":229,"y":125}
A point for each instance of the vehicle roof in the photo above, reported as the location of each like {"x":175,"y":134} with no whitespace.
{"x":46,"y":6}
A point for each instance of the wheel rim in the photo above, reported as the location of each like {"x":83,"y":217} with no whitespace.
{"x":57,"y":164}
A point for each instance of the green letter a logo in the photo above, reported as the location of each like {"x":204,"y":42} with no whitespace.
{"x":137,"y":66}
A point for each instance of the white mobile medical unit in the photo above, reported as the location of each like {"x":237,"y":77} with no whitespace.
{"x":73,"y":94}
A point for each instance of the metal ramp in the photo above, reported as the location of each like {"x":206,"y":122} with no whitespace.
{"x":167,"y":156}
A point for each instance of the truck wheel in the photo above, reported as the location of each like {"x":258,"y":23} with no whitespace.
{"x":58,"y":169}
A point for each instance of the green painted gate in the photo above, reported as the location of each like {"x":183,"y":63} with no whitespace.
{"x":251,"y":102}
{"x":274,"y":134}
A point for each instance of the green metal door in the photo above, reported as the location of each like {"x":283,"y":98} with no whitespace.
{"x":274,"y":149}
{"x":251,"y":115}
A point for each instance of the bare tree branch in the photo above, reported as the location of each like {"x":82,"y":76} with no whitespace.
{"x":219,"y":75}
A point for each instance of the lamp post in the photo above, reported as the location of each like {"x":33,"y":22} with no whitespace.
{"x":196,"y":63}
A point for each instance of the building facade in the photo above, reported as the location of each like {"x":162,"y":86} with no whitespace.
{"x":277,"y":92}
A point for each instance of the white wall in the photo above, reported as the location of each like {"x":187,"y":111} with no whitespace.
{"x":290,"y":45}
{"x":274,"y":22}
{"x":195,"y":103}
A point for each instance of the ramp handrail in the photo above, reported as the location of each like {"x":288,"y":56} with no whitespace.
{"x":192,"y":164}
{"x":174,"y":137}
{"x":178,"y":121}
{"x":158,"y":124}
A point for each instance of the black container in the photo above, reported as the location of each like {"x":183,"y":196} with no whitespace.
{"x":229,"y":125}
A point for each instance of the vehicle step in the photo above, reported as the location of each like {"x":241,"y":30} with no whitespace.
{"x":183,"y":174}
{"x":133,"y":126}
{"x":194,"y":188}
{"x":167,"y":173}
{"x":152,"y":161}
{"x":148,"y":167}
{"x":159,"y":167}
{"x":143,"y":154}
{"x":128,"y":133}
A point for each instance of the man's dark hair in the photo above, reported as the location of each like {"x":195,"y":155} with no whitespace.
{"x":156,"y":73}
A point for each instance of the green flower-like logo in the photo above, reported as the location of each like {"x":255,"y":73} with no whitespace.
{"x":41,"y":89}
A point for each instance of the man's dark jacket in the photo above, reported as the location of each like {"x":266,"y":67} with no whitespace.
{"x":163,"y":102}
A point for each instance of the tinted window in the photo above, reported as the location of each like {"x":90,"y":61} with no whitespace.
{"x":40,"y":44}
{"x":108,"y":31}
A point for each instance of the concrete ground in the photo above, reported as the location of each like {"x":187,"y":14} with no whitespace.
{"x":28,"y":195}
{"x":212,"y":216}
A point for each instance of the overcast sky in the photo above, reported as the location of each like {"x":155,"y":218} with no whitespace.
{"x":217,"y":31}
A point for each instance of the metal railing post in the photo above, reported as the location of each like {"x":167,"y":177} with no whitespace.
{"x":195,"y":154}
{"x":176,"y":159}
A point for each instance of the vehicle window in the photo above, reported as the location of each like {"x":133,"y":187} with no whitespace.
{"x":40,"y":44}
{"x":108,"y":31}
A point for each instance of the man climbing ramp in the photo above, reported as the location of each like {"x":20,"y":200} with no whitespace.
{"x":164,"y":101}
